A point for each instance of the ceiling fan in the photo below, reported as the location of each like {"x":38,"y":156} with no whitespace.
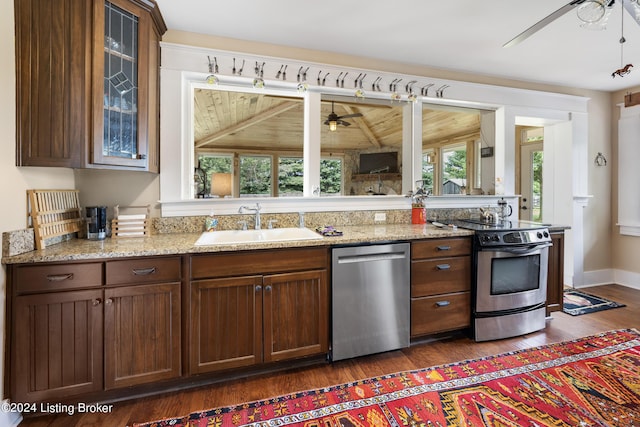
{"x":333,"y":120}
{"x":589,"y":12}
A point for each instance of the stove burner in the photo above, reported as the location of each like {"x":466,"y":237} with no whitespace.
{"x":506,"y":233}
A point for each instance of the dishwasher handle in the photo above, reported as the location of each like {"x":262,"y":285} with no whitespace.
{"x":385,"y":256}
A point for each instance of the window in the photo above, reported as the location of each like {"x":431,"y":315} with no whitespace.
{"x":255,"y":175}
{"x":209,"y":164}
{"x":454,"y":169}
{"x":331,"y":176}
{"x":428,"y":169}
{"x":290,"y":176}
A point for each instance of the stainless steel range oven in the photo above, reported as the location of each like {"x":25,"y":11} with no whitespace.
{"x":510,"y":279}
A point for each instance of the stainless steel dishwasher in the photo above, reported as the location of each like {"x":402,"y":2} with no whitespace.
{"x":370,"y":299}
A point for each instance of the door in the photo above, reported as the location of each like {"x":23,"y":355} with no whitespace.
{"x":58,"y":345}
{"x":226,"y":323}
{"x":142,"y":334}
{"x":531,"y":156}
{"x":120,"y":84}
{"x":295,"y":315}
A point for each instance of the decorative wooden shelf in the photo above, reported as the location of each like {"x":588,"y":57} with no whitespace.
{"x":376,"y":176}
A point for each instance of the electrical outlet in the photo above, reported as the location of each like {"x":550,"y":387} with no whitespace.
{"x":380,"y":217}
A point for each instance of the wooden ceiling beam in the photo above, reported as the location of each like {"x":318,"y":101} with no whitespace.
{"x":364,"y":127}
{"x":458,"y":137}
{"x":258,"y":118}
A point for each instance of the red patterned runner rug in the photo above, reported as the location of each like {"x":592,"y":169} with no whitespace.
{"x":591,"y":381}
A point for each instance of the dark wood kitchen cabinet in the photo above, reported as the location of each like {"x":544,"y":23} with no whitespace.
{"x":555,"y":273}
{"x":87,"y":83}
{"x":440,"y":285}
{"x":252,"y":308}
{"x":74,"y":333}
{"x":142,"y":321}
{"x":56,"y":335}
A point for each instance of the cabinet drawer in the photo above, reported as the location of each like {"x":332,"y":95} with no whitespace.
{"x":441,"y":276}
{"x":57,"y":277}
{"x":440,"y":248}
{"x":440,"y":313}
{"x":259,"y":262}
{"x":143,"y":270}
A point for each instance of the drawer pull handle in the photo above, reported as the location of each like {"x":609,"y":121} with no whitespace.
{"x":144,"y":271}
{"x":442,"y":303}
{"x":59,"y":277}
{"x":444,"y":248}
{"x":443,"y":266}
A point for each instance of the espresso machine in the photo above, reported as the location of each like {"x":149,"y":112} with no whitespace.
{"x":96,"y":218}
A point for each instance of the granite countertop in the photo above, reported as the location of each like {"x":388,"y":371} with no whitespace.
{"x":183,"y":243}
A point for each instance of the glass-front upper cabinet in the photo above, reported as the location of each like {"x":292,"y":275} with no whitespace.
{"x":125,"y":86}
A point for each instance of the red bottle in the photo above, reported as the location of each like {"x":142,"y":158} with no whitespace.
{"x":418,"y":214}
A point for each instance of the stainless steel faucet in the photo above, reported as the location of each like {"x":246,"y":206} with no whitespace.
{"x":256,"y":210}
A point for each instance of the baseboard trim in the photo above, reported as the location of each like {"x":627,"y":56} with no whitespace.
{"x":9,"y":419}
{"x":609,"y":276}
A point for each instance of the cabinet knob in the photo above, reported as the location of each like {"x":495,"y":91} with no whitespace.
{"x":258,"y":288}
{"x":96,"y":302}
{"x":108,"y":301}
{"x":267,"y":288}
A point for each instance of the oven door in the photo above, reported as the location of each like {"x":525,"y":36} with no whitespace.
{"x":511,"y":278}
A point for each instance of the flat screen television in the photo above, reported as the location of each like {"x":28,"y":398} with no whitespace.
{"x":379,"y":162}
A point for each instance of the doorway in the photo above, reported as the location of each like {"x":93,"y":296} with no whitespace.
{"x":531,"y":164}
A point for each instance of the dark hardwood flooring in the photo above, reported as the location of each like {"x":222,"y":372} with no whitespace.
{"x":455,"y":348}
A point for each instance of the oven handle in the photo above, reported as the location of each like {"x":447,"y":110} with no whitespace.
{"x":519,"y":250}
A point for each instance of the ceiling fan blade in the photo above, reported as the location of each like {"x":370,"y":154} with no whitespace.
{"x":629,"y":7}
{"x":347,"y":116}
{"x":343,"y":123}
{"x":543,"y":23}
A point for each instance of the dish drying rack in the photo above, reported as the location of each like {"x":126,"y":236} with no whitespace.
{"x":131,"y":225}
{"x":53,"y":213}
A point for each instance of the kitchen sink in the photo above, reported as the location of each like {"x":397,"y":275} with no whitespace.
{"x":228,"y":237}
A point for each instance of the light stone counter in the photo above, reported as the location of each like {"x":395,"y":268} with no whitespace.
{"x":183,"y":243}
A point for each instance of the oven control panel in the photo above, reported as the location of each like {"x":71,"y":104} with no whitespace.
{"x":512,"y":237}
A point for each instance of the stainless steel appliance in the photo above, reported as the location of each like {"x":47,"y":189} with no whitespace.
{"x":371,"y":299}
{"x":96,"y":218}
{"x":510,"y":278}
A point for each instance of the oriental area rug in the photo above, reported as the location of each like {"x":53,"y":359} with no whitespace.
{"x":577,"y":303}
{"x":591,"y":381}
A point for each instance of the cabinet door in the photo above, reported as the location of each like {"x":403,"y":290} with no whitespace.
{"x":226,"y":323}
{"x":57,"y":349}
{"x":555,"y":273}
{"x":142,"y":334}
{"x":52,"y":83}
{"x":121,"y":84}
{"x":296,"y":319}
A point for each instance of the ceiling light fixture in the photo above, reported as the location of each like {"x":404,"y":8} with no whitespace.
{"x":594,"y":14}
{"x":333,"y":125}
{"x":626,"y":69}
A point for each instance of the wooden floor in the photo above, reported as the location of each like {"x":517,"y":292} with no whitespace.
{"x":561,"y":327}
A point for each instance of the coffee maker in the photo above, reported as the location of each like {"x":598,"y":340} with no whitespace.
{"x":96,"y":217}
